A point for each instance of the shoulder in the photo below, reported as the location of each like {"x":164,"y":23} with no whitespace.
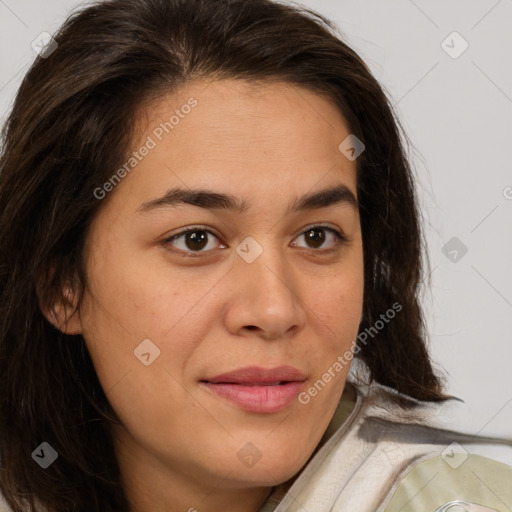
{"x":387,"y":416}
{"x":435,"y":454}
{"x":396,"y":453}
{"x":461,"y":483}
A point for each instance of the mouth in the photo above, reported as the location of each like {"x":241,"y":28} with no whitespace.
{"x":258,"y":389}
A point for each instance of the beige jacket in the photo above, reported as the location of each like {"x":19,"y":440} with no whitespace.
{"x":427,"y":457}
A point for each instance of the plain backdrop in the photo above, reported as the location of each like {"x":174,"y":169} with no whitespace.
{"x":447,"y":67}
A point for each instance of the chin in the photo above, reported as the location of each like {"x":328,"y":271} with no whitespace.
{"x":269,"y":471}
{"x":264,"y":477}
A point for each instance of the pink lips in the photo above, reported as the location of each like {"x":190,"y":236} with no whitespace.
{"x":258,"y":389}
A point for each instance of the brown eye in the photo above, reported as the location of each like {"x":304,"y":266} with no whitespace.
{"x":196,"y":240}
{"x":317,"y":236}
{"x":193,"y":240}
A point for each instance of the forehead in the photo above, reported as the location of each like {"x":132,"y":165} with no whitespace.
{"x":240,"y":138}
{"x":231,"y":117}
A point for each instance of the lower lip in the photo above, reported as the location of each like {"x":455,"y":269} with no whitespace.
{"x":262,"y":399}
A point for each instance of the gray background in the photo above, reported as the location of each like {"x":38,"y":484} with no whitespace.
{"x":458,"y":114}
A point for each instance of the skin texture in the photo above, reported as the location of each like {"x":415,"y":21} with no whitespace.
{"x":295,"y":304}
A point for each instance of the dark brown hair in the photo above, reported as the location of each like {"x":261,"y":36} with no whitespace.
{"x":70,"y":128}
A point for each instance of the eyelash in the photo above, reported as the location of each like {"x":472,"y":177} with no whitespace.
{"x":340,"y":239}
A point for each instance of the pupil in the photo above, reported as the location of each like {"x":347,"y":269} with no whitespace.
{"x":316,"y":237}
{"x":196,"y":240}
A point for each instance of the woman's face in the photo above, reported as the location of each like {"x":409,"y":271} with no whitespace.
{"x":166,"y":314}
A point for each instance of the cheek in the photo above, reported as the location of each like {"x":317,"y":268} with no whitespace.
{"x":150,"y":296}
{"x":128,"y":305}
{"x":338,"y":301}
{"x":336,"y":306}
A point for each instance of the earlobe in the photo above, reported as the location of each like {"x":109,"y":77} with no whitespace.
{"x":63,"y":314}
{"x":65,"y":319}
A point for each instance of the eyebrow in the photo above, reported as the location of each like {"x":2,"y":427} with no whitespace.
{"x":339,"y":194}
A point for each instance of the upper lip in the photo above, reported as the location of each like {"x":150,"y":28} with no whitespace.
{"x":257,"y":375}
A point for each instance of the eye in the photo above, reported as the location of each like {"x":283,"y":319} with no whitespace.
{"x":316,"y":236}
{"x":192,"y":240}
{"x":198,"y":239}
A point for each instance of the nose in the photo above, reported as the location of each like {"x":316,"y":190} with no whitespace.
{"x":266,"y":297}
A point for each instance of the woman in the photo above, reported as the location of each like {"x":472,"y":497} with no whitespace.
{"x":207,"y":221}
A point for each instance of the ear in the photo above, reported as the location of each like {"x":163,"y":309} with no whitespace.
{"x":63,"y":312}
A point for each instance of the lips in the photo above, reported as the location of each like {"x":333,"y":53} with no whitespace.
{"x":258,"y":389}
{"x":254,"y":375}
